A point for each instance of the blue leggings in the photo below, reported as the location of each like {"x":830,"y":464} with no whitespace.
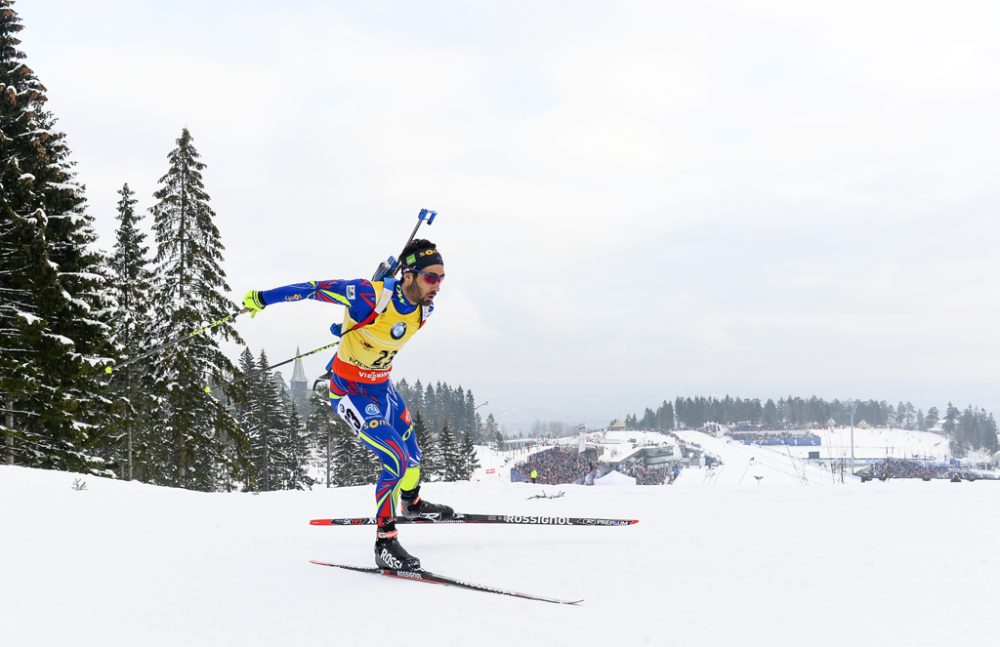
{"x":377,"y":413}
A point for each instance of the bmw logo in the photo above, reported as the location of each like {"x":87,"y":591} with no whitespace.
{"x":398,"y":330}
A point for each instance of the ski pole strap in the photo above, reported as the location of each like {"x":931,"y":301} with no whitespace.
{"x":388,"y":289}
{"x":172,"y":342}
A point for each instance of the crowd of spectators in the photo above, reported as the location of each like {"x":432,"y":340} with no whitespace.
{"x":902,"y":468}
{"x":782,"y":438}
{"x":560,"y":465}
{"x":646,"y":475}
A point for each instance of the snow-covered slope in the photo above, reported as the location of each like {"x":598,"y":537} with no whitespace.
{"x":878,"y":443}
{"x":896,"y":563}
{"x":755,"y":465}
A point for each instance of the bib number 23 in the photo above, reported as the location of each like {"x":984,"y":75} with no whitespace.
{"x":384,"y":359}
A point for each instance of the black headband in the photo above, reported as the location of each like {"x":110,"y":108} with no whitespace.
{"x":422,"y":258}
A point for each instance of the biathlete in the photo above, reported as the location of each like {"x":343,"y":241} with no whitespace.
{"x":380,"y":317}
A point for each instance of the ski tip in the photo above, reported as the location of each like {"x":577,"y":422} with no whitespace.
{"x":318,"y":522}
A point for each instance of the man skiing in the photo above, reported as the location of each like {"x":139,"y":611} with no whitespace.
{"x":379,"y":318}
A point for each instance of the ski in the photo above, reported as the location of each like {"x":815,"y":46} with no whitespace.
{"x":533,"y":520}
{"x":433,"y":578}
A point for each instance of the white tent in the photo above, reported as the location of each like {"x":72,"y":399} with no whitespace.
{"x":615,"y":477}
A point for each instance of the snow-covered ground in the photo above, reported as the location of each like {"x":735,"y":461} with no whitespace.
{"x":756,"y":465}
{"x":878,"y":443}
{"x":897,"y":563}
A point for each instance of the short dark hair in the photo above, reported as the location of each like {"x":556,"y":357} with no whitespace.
{"x":416,"y":245}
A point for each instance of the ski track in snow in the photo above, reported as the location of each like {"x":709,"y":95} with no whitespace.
{"x":772,"y":562}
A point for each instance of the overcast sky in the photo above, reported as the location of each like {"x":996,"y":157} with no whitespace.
{"x":638,"y":200}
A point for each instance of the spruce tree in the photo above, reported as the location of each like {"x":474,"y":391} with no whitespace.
{"x":430,"y":461}
{"x":965,"y":430}
{"x":355,"y":464}
{"x":298,"y":449}
{"x":451,"y":464}
{"x":24,"y":268}
{"x":270,"y":445}
{"x":492,"y":432}
{"x":430,"y":409}
{"x":932,"y":418}
{"x":415,"y":399}
{"x":344,"y":456}
{"x":53,"y":328}
{"x":991,"y":441}
{"x":951,"y":416}
{"x":247,"y":410}
{"x":472,"y":420}
{"x":469,"y":460}
{"x":129,"y":284}
{"x":321,"y":425}
{"x":190,"y":289}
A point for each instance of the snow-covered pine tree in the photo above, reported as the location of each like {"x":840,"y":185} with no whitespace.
{"x":951,"y":417}
{"x":246,"y":409}
{"x":430,"y":409}
{"x":268,"y":445}
{"x":52,"y":332}
{"x":467,"y":455}
{"x":321,"y":425}
{"x":343,"y":456}
{"x":189,"y":291}
{"x":451,"y":462}
{"x":298,"y":449}
{"x":366,"y":464}
{"x":457,"y":411}
{"x":471,"y":418}
{"x":491,"y":433}
{"x":415,"y":399}
{"x":353,"y":463}
{"x":129,"y":283}
{"x":430,"y":462}
{"x":24,"y":267}
{"x":991,"y":440}
{"x":932,"y":419}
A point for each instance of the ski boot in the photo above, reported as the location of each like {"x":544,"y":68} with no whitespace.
{"x":388,"y":551}
{"x":414,"y":507}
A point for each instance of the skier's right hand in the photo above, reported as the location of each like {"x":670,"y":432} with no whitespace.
{"x":253,"y":302}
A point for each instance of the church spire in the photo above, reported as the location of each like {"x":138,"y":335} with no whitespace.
{"x":298,"y":373}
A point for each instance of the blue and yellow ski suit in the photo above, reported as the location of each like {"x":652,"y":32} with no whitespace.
{"x":360,"y":389}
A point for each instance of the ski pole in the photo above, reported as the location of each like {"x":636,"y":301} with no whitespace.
{"x":245,"y":376}
{"x":174,"y":341}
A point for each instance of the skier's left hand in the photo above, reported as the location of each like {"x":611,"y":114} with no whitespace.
{"x":253,"y":302}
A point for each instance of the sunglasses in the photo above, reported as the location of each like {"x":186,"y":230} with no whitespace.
{"x":432,"y":278}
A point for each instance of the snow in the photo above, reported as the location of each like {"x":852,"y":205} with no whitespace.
{"x":64,"y":186}
{"x":879,"y":443}
{"x":755,"y":464}
{"x":897,"y":563}
{"x":62,"y":339}
{"x":615,"y":477}
{"x":27,"y":316}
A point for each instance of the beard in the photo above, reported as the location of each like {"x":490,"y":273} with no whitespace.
{"x":414,"y":296}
